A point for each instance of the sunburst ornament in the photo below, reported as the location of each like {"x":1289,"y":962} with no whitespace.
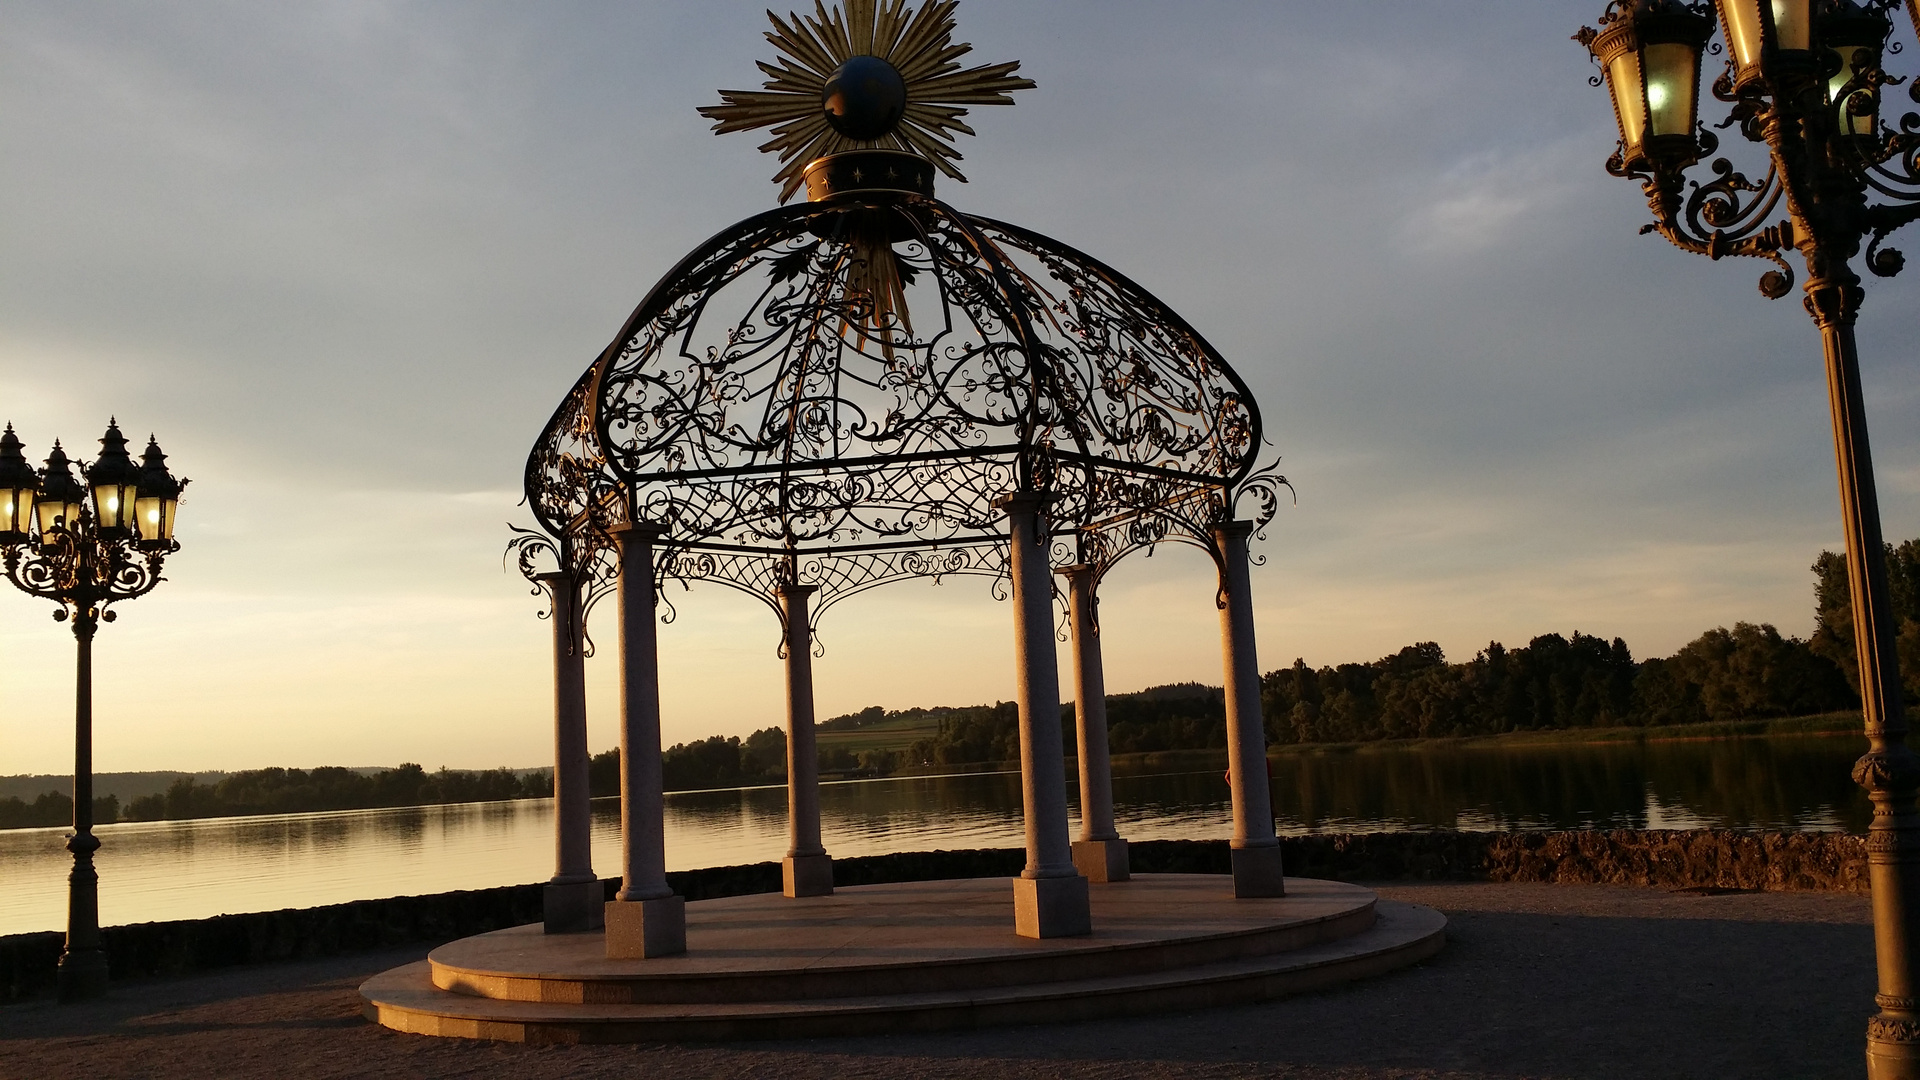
{"x":868,"y":75}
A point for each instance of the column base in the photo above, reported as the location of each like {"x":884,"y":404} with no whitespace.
{"x":807,"y":875}
{"x":1256,"y":872}
{"x":82,"y":975}
{"x":1101,"y":860}
{"x":644,"y":929}
{"x":573,"y":906}
{"x":1051,"y":907}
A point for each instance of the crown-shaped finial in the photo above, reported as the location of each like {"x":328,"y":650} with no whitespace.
{"x":868,"y":75}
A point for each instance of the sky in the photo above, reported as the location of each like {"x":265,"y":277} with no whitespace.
{"x":345,"y":258}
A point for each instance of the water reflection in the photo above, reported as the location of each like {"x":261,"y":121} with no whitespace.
{"x":175,"y":870}
{"x":1797,"y":783}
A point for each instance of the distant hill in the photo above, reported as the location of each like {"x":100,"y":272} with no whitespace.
{"x":125,"y":786}
{"x":128,"y":786}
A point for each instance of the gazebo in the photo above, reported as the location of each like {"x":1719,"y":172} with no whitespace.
{"x":872,"y":386}
{"x":864,"y":388}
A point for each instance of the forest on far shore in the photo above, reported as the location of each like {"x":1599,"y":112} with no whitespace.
{"x":1553,"y":682}
{"x":1751,"y":671}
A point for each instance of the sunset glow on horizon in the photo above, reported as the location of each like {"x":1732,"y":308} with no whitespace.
{"x":345,"y":260}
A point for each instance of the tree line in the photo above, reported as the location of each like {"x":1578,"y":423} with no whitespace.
{"x":50,"y":809}
{"x":1833,"y":625}
{"x":717,"y":762}
{"x":1178,"y":716}
{"x":331,"y":787}
{"x":1553,"y":682}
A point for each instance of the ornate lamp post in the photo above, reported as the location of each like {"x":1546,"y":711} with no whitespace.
{"x":85,"y":547}
{"x":1804,"y":78}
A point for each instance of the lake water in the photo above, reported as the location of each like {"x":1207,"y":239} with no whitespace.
{"x":154,"y":871}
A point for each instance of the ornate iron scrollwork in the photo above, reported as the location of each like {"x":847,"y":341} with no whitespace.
{"x":84,"y":573}
{"x":837,"y":394}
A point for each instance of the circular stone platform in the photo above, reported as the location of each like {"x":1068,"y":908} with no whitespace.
{"x":906,"y":956}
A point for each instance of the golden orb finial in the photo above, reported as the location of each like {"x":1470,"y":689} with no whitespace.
{"x":867,"y":75}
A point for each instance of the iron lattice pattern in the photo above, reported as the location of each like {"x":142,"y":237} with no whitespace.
{"x":839,"y":394}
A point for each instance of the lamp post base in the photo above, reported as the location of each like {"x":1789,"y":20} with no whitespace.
{"x":1101,"y":860}
{"x":82,"y":975}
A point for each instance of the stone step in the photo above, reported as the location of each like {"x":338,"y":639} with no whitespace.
{"x":904,"y":937}
{"x":406,"y":999}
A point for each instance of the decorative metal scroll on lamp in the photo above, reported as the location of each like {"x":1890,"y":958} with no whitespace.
{"x":836,"y":392}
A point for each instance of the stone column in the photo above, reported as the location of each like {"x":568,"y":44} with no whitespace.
{"x":645,"y":919}
{"x":1050,"y":898}
{"x":1255,"y":847}
{"x":807,"y":870}
{"x":1099,"y":854}
{"x":572,"y":900}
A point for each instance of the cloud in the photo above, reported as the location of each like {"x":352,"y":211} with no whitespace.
{"x":346,"y":259}
{"x":1484,"y":200}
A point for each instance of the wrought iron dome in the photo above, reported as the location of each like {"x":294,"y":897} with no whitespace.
{"x":840,"y":392}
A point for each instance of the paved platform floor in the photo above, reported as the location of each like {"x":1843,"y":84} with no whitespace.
{"x":870,"y":932}
{"x":762,"y":953}
{"x":1537,"y":981}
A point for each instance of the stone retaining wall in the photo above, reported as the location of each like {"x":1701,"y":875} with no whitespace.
{"x":1729,"y":860}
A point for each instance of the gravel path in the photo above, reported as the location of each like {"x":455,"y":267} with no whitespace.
{"x":1564,"y":981}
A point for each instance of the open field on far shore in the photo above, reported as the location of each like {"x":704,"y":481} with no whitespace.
{"x":896,"y":733}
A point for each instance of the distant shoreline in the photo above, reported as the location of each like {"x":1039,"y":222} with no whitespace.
{"x":1156,"y":761}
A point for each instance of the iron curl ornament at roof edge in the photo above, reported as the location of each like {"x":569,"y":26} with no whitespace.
{"x":584,"y":560}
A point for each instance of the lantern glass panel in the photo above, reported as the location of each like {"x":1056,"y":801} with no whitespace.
{"x":111,"y":503}
{"x":1740,"y":21}
{"x":1792,"y":24}
{"x":155,"y":517}
{"x":1623,"y":78}
{"x":16,"y":510}
{"x":1866,"y":123}
{"x":55,"y":514}
{"x":1673,"y":81}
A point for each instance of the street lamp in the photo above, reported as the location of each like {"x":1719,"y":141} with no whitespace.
{"x":1804,"y":78}
{"x":85,"y":549}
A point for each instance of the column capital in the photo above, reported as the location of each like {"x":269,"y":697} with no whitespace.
{"x":646,"y":532}
{"x":1021,"y":502}
{"x":1239,"y":527}
{"x":553,"y":577}
{"x":1077,"y":570}
{"x":795,"y":588}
